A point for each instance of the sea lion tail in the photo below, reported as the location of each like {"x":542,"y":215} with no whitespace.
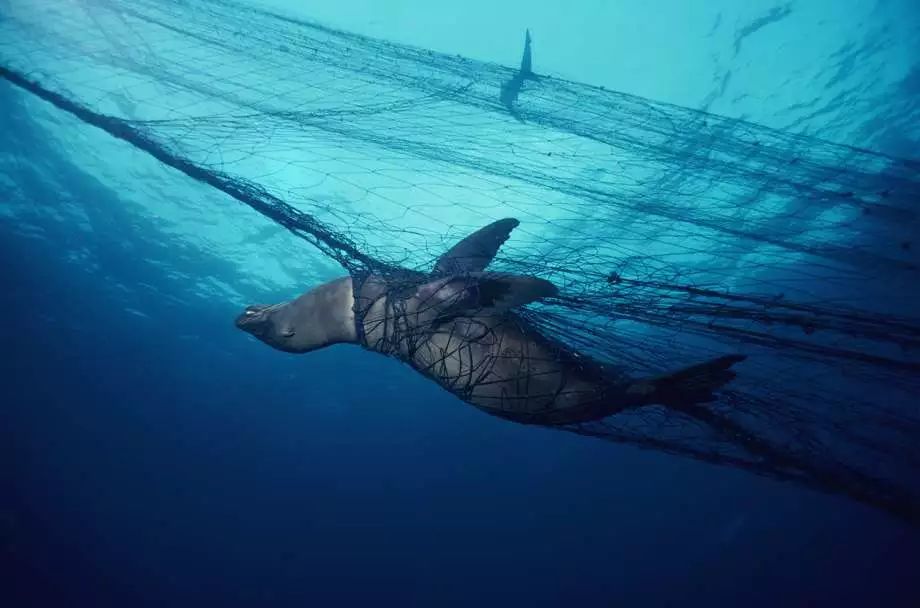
{"x":694,"y":384}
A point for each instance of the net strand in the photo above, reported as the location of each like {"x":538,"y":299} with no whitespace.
{"x":673,"y":234}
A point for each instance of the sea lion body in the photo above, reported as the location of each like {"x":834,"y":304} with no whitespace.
{"x":457,"y":327}
{"x":495,"y":361}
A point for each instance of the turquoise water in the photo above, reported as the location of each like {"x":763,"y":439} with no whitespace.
{"x":155,"y":455}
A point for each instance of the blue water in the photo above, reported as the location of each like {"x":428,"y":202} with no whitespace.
{"x":154,"y":455}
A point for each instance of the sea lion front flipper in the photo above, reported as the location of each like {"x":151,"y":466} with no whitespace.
{"x":474,"y":253}
{"x":473,"y":292}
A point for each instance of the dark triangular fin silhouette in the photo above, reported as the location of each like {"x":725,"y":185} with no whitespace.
{"x":474,"y":253}
{"x":527,"y":59}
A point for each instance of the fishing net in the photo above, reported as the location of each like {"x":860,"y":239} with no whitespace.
{"x":674,"y":235}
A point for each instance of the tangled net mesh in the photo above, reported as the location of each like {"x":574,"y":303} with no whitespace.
{"x":674,"y":235}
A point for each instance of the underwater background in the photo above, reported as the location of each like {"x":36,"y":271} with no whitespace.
{"x":155,"y":455}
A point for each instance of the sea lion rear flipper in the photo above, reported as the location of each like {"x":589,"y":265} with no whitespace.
{"x":694,"y":384}
{"x":474,"y":253}
{"x":471,"y":293}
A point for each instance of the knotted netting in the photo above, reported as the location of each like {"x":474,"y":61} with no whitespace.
{"x":674,"y":235}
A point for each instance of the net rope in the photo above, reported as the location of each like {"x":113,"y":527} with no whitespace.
{"x":674,"y":235}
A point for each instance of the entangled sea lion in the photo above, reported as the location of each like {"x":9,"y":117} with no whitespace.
{"x":457,"y":326}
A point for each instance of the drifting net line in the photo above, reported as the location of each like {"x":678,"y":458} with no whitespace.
{"x":673,"y":234}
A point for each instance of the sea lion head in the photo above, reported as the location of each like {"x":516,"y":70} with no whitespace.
{"x":318,"y":318}
{"x":270,"y":324}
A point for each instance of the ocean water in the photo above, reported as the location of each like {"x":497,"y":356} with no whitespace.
{"x":155,"y":455}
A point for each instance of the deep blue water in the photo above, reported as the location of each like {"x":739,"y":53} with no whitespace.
{"x":141,"y":470}
{"x":154,"y":455}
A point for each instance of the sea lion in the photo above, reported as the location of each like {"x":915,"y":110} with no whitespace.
{"x":457,"y":327}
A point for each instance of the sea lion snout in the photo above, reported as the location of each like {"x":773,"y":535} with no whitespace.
{"x":253,"y":319}
{"x":270,"y":324}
